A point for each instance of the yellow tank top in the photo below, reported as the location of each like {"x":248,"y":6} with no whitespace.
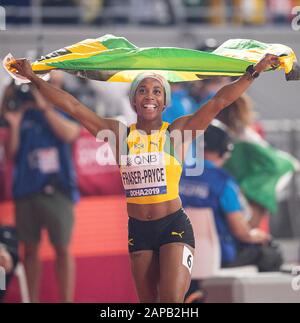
{"x":149,"y":170}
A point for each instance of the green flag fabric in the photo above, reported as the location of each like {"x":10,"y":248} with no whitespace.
{"x":115,"y":59}
{"x":261,"y":171}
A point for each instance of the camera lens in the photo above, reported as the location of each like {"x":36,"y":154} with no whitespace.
{"x":24,"y":88}
{"x":22,"y":94}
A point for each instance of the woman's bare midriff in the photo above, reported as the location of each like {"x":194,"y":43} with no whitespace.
{"x":148,"y":212}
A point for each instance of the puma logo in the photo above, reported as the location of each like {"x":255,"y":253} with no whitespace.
{"x":130,"y":242}
{"x":177,"y":234}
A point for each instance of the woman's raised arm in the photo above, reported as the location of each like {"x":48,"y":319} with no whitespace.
{"x":65,"y":101}
{"x":224,"y":97}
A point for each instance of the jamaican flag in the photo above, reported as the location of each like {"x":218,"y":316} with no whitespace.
{"x":261,"y":171}
{"x":115,"y":59}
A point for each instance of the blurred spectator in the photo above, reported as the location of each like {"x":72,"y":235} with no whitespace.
{"x":5,"y":163}
{"x":115,"y":12}
{"x":195,"y":11}
{"x":90,"y":10}
{"x":257,"y":166}
{"x":219,"y":12}
{"x":280,"y":11}
{"x":239,"y":118}
{"x":181,"y":103}
{"x":202,"y":91}
{"x":216,"y":189}
{"x":155,"y":12}
{"x":44,"y":185}
{"x":8,"y":254}
{"x":253,"y":12}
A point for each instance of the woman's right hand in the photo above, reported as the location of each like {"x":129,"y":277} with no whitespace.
{"x":22,"y":67}
{"x":14,"y":118}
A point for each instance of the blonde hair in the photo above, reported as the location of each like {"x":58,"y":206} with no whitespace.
{"x":238,"y":115}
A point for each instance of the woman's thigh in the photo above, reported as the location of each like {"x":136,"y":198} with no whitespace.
{"x":176,"y":261}
{"x":145,"y":271}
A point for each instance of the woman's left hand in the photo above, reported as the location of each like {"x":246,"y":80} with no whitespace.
{"x":268,"y":61}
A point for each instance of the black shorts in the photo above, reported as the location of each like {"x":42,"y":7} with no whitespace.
{"x":151,"y":235}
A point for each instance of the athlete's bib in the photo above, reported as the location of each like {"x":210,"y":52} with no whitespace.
{"x":149,"y":173}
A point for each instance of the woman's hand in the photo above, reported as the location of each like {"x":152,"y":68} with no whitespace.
{"x":268,"y":61}
{"x":14,"y":118}
{"x":22,"y":67}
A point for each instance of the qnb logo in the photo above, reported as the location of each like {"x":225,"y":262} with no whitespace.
{"x":145,"y":159}
{"x":2,"y":18}
{"x":296,"y":20}
{"x":296,"y":279}
{"x":2,"y":279}
{"x":142,"y":159}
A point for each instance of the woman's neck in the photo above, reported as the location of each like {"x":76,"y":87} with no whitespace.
{"x":149,"y":126}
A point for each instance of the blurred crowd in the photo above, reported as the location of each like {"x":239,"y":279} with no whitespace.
{"x":154,"y":12}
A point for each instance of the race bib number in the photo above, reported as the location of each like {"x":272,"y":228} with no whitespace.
{"x":144,"y":174}
{"x":187,"y":258}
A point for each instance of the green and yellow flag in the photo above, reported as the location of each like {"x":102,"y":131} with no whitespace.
{"x":261,"y":171}
{"x":115,"y":59}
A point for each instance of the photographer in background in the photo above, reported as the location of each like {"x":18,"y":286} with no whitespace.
{"x":44,"y":187}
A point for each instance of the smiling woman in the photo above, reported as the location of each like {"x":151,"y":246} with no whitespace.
{"x":163,"y":83}
{"x":161,"y":241}
{"x":149,"y":98}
